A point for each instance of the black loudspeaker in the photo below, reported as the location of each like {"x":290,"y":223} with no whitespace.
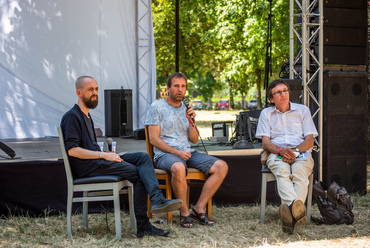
{"x":353,"y":4}
{"x":295,"y":90}
{"x":139,"y":134}
{"x":345,"y":129}
{"x":345,"y":32}
{"x":118,"y":113}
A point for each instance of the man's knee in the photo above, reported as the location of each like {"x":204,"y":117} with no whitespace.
{"x":145,"y":156}
{"x":220,"y":167}
{"x":178,"y":171}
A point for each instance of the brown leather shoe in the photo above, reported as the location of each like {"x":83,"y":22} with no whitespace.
{"x":286,"y":218}
{"x":298,"y":212}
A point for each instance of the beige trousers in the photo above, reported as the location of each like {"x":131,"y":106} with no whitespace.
{"x":292,"y":179}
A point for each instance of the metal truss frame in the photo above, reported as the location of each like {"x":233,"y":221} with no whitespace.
{"x":306,"y":59}
{"x":144,"y":44}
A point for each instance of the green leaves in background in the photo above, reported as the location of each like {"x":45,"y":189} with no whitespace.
{"x":222,"y":43}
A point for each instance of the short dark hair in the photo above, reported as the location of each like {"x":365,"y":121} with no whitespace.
{"x":273,"y":85}
{"x":176,"y":75}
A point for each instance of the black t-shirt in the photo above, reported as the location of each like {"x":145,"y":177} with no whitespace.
{"x":80,"y":133}
{"x":90,"y":129}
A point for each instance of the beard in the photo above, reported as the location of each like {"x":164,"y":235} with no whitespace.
{"x":179,"y":98}
{"x":175,"y":97}
{"x":91,"y":104}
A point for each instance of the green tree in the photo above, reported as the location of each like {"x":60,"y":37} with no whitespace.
{"x":197,"y":53}
{"x":242,"y":31}
{"x":222,"y":42}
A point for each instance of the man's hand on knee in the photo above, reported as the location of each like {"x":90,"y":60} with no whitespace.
{"x":184,"y":155}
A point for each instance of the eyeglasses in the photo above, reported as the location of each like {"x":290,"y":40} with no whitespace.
{"x":279,"y":93}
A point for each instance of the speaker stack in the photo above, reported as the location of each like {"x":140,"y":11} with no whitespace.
{"x":118,"y":113}
{"x":345,"y":129}
{"x":345,"y":32}
{"x":345,"y":82}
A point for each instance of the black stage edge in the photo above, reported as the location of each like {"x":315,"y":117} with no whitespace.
{"x":242,"y":184}
{"x":36,"y":188}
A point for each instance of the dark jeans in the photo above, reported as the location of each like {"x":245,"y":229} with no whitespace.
{"x":138,"y":169}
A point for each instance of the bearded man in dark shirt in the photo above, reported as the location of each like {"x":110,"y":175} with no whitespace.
{"x":88,"y":160}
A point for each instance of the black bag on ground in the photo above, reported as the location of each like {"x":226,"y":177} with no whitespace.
{"x":334,"y":203}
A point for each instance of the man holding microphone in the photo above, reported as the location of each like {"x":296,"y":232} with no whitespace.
{"x":171,"y":129}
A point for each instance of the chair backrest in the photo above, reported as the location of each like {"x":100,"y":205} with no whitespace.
{"x":65,"y":158}
{"x":149,"y":146}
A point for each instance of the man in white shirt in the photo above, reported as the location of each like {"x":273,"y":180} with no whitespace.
{"x":287,"y":132}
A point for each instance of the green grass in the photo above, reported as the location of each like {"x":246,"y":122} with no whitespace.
{"x":236,"y":226}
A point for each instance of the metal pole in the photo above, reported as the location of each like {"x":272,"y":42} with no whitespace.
{"x":137,"y":62}
{"x":304,"y":51}
{"x":291,"y":40}
{"x":321,"y":87}
{"x":177,"y":34}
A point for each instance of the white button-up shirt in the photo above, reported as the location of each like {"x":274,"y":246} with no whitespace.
{"x":286,"y":129}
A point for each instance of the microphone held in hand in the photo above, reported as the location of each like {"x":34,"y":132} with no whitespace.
{"x":110,"y":142}
{"x":186,"y":102}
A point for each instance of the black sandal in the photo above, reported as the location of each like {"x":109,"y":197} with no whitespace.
{"x":202,"y":218}
{"x":186,"y":220}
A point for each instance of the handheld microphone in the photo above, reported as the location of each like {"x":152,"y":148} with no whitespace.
{"x":186,"y":102}
{"x":110,"y":142}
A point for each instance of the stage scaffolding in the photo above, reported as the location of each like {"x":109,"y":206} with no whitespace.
{"x":306,"y":60}
{"x":145,"y":57}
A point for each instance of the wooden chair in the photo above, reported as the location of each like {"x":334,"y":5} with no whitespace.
{"x":97,"y":188}
{"x":268,"y":176}
{"x":163,"y":176}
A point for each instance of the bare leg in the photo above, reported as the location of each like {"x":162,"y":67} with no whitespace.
{"x":217,"y":172}
{"x":180,"y":186}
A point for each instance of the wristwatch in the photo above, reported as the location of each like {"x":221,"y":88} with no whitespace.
{"x":297,"y":152}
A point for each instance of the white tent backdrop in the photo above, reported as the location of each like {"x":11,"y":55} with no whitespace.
{"x":46,"y":45}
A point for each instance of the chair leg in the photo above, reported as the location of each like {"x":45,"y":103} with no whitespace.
{"x":263,"y":198}
{"x":131,"y":208}
{"x":188,"y":194}
{"x":69,"y":213}
{"x":169,"y":196}
{"x":209,"y":208}
{"x":309,"y":199}
{"x":117,"y":212}
{"x":150,"y":215}
{"x":85,"y":209}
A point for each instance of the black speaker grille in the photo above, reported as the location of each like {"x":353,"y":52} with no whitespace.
{"x":345,"y":135}
{"x":345,"y":129}
{"x":349,"y":172}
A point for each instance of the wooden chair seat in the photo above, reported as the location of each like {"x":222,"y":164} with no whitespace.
{"x":160,"y":172}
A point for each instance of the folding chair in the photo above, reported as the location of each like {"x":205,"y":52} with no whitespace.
{"x":97,"y":188}
{"x":193,"y":174}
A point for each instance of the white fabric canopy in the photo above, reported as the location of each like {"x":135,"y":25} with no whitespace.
{"x":46,"y":45}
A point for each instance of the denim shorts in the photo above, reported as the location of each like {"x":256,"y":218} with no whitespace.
{"x":199,"y":161}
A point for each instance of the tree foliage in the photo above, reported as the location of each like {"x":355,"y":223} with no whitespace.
{"x":222,"y":42}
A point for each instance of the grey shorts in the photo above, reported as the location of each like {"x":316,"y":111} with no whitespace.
{"x":199,"y":161}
